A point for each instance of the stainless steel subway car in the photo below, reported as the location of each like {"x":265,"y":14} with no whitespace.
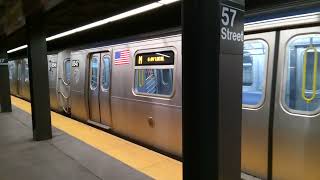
{"x":134,"y":88}
{"x":19,"y":78}
{"x":281,"y":99}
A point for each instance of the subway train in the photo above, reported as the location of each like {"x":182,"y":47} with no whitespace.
{"x":133,"y":88}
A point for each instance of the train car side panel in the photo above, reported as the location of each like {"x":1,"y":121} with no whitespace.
{"x":150,"y":119}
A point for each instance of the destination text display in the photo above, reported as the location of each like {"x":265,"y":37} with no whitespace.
{"x":155,"y":58}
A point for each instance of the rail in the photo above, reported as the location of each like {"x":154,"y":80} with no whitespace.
{"x":65,"y":83}
{"x":304,"y":74}
{"x":64,"y":96}
{"x":67,"y":99}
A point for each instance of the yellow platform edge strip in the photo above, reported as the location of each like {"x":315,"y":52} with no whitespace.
{"x":151,"y":163}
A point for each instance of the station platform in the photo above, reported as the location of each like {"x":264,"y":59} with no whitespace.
{"x":76,"y":151}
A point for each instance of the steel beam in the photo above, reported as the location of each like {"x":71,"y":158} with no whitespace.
{"x":5,"y":100}
{"x":38,"y":72}
{"x":212,"y":47}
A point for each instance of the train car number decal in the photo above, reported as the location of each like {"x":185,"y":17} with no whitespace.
{"x":53,"y":65}
{"x":75,"y":63}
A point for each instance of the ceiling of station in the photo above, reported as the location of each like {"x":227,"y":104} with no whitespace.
{"x":74,"y":13}
{"x":69,"y":14}
{"x":2,"y":8}
{"x":63,"y":15}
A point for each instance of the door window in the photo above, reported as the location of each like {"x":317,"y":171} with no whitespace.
{"x":67,"y":70}
{"x":26,"y":73}
{"x":106,"y":73}
{"x":255,"y":56}
{"x":94,"y":73}
{"x":302,"y":86}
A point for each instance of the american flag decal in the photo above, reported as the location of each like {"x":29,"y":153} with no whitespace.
{"x":122,"y":57}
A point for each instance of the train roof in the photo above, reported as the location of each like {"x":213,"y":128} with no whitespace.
{"x":283,"y":18}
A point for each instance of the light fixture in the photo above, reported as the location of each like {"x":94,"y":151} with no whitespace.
{"x":17,"y":49}
{"x":165,"y":2}
{"x":105,"y":21}
{"x":286,"y":21}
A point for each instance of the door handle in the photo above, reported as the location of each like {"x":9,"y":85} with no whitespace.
{"x":304,"y":74}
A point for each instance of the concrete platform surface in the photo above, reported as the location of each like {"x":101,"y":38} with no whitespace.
{"x":64,"y":157}
{"x":146,"y":161}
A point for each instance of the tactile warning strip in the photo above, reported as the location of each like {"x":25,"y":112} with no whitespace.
{"x":144,"y":160}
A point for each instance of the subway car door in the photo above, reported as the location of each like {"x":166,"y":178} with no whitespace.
{"x":297,"y":109}
{"x":258,"y":55}
{"x":105,"y":84}
{"x":13,"y":77}
{"x":64,"y":80}
{"x":26,"y":82}
{"x":20,"y":78}
{"x":94,"y":104}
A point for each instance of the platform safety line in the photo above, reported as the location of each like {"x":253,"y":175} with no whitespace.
{"x":142,"y":159}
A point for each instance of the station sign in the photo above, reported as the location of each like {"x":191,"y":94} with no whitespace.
{"x":155,"y":58}
{"x":231,"y":26}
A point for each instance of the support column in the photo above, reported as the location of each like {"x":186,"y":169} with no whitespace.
{"x":5,"y":99}
{"x":38,"y":72}
{"x":212,"y":47}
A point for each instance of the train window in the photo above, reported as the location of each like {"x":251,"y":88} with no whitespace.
{"x":150,"y":81}
{"x":301,"y":93}
{"x":154,"y":73}
{"x":94,"y":72}
{"x":67,"y":70}
{"x":106,"y":73}
{"x":255,"y":58}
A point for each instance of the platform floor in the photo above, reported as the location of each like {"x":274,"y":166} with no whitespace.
{"x":127,"y":158}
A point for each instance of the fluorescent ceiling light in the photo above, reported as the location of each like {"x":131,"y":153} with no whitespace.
{"x":105,"y":21}
{"x":167,"y":1}
{"x":17,"y":49}
{"x":114,"y":18}
{"x":287,"y":21}
{"x":135,"y":11}
{"x":282,"y":18}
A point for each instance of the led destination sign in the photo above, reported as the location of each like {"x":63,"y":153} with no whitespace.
{"x":155,"y":58}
